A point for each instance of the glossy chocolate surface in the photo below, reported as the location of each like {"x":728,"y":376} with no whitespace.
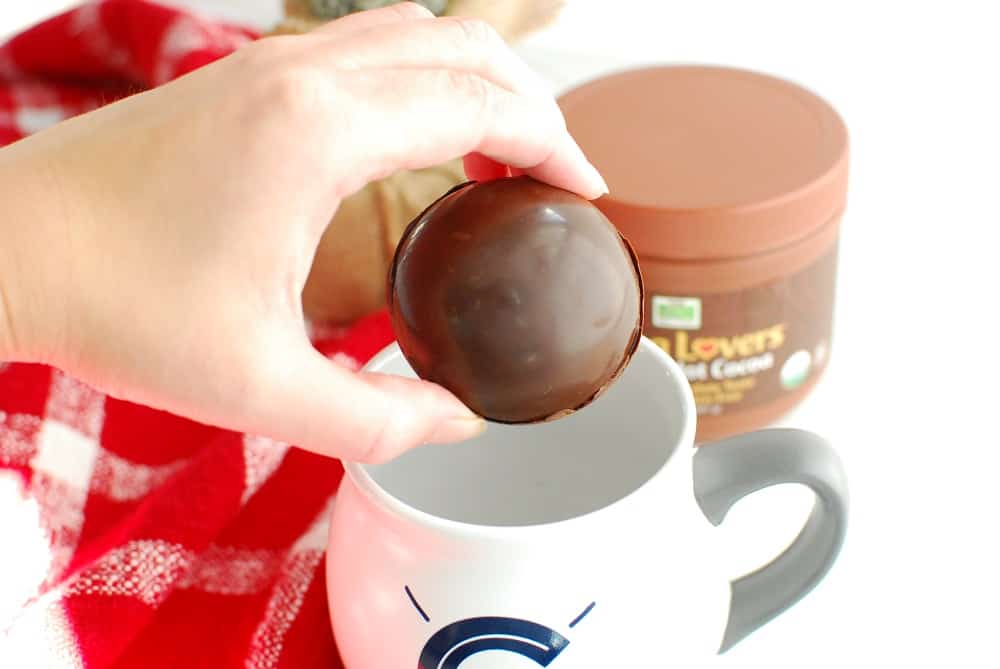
{"x":520,"y":298}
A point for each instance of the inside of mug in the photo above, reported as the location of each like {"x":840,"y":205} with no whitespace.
{"x":519,"y":475}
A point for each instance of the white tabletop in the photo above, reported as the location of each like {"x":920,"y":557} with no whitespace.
{"x":914,"y":371}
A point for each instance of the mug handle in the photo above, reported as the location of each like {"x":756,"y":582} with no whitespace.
{"x":727,"y":470}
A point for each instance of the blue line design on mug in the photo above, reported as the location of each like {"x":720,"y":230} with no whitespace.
{"x":413,"y":600}
{"x":576,"y":621}
{"x":450,"y":646}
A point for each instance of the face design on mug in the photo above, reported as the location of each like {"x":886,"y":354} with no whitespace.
{"x":454,"y":643}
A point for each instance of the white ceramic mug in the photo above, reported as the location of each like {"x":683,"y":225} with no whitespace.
{"x":582,"y":543}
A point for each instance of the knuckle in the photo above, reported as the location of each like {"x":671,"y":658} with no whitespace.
{"x":378,"y":445}
{"x":263,"y":52}
{"x":476,"y":89}
{"x":476,"y":32}
{"x":411,"y":10}
{"x":296,"y":91}
{"x":385,"y":438}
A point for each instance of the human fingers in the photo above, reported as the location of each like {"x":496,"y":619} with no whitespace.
{"x":480,"y":168}
{"x":418,"y":118}
{"x":311,"y":402}
{"x":464,"y":44}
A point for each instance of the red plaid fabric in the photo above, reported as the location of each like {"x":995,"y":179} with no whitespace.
{"x":132,"y":537}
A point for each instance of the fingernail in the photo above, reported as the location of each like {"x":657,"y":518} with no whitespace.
{"x":452,"y":430}
{"x":604,"y":190}
{"x":598,"y":184}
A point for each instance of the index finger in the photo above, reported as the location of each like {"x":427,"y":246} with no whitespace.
{"x":411,"y":119}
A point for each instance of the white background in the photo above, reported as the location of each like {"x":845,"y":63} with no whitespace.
{"x":910,"y":399}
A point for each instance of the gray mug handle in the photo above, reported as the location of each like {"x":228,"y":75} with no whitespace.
{"x":727,"y":470}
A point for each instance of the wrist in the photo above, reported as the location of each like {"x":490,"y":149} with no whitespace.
{"x":7,"y":336}
{"x":10,"y":261}
{"x":30,"y":265}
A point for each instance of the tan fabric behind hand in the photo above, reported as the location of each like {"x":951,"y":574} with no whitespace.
{"x":348,"y":276}
{"x":513,"y":19}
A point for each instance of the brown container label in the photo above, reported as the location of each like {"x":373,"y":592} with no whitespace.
{"x":746,"y":348}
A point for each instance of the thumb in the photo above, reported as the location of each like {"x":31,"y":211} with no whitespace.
{"x":368,"y":417}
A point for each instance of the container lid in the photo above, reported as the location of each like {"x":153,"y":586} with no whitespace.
{"x":710,"y":162}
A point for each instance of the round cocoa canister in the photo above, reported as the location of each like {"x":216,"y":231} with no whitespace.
{"x":730,"y":185}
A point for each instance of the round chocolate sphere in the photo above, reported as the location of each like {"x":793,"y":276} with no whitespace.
{"x":520,"y":298}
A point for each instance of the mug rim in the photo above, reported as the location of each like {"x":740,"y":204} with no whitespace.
{"x":382,"y":498}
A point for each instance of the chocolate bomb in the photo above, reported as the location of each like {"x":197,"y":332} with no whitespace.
{"x":520,"y":298}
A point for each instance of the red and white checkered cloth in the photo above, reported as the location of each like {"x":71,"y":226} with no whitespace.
{"x":130,"y":537}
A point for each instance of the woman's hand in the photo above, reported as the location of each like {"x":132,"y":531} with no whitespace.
{"x":157,"y":248}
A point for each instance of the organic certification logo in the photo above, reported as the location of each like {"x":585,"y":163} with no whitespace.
{"x":676,"y":313}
